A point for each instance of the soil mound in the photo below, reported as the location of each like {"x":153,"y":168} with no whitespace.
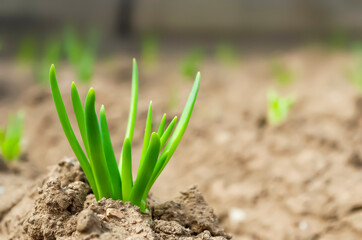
{"x":63,"y":207}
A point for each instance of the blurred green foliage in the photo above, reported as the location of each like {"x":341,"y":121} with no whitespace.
{"x":150,"y":49}
{"x":278,"y":107}
{"x":191,"y":64}
{"x":81,"y":53}
{"x":226,"y":53}
{"x":51,"y":54}
{"x":27,"y":50}
{"x":281,"y":73}
{"x":10,"y":139}
{"x":354,"y":73}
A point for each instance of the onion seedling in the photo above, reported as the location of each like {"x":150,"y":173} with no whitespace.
{"x":149,"y":54}
{"x":191,"y":64}
{"x":226,"y":53}
{"x":51,"y":54}
{"x":282,"y":74}
{"x":98,"y":162}
{"x":81,"y":54}
{"x":27,"y":50}
{"x":354,"y":74}
{"x":10,"y":139}
{"x":278,"y":108}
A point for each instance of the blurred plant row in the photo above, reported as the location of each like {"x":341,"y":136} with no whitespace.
{"x":79,"y":51}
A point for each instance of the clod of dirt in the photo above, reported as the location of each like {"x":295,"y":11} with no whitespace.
{"x":190,"y":209}
{"x":63,"y":207}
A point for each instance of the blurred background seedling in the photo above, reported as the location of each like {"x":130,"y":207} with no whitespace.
{"x":149,"y":50}
{"x":281,"y":73}
{"x":278,"y":107}
{"x":338,"y":40}
{"x":27,"y":51}
{"x":173,"y":99}
{"x":81,"y":53}
{"x":51,"y":53}
{"x":226,"y":53}
{"x":192,"y":62}
{"x":354,"y":73}
{"x":11,"y":138}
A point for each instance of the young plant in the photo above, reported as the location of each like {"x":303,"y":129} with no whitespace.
{"x":226,"y":53}
{"x":27,"y":50}
{"x":281,"y":73}
{"x":354,"y":74}
{"x":149,"y":49}
{"x":10,"y":139}
{"x":278,"y":108}
{"x":191,"y":64}
{"x":82,"y":55}
{"x":98,"y":162}
{"x":50,"y":54}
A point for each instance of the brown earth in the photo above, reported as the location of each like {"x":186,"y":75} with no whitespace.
{"x":63,"y":207}
{"x":296,"y":181}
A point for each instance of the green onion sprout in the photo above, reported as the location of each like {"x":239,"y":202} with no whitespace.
{"x":107,"y":178}
{"x":10,"y":139}
{"x":278,"y":108}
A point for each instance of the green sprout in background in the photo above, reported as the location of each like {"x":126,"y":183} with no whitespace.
{"x":98,"y":162}
{"x":226,"y":53}
{"x":51,"y":54}
{"x":81,"y":53}
{"x":354,"y":74}
{"x":149,"y":51}
{"x":10,"y":139}
{"x":338,"y":39}
{"x":278,"y":107}
{"x":191,"y":64}
{"x":282,"y":75}
{"x":27,"y":50}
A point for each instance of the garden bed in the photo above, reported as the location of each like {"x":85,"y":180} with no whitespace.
{"x":300,"y":180}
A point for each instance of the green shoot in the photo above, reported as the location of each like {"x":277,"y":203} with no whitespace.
{"x":278,"y":108}
{"x":281,"y":74}
{"x":149,"y":49}
{"x":354,"y":74}
{"x":81,"y":54}
{"x":27,"y":50}
{"x":338,"y":39}
{"x":99,"y":162}
{"x":226,"y":53}
{"x":191,"y":64}
{"x":10,"y":139}
{"x":51,"y":54}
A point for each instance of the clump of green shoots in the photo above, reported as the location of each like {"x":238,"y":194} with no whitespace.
{"x":149,"y":54}
{"x":81,"y":54}
{"x":226,"y":53}
{"x":10,"y":139}
{"x":98,"y":162}
{"x":281,"y":73}
{"x":278,"y":107}
{"x":191,"y":64}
